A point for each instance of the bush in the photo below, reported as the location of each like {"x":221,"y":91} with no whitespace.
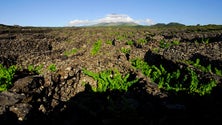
{"x":96,"y":47}
{"x":186,"y":80}
{"x":6,"y":77}
{"x":110,"y":80}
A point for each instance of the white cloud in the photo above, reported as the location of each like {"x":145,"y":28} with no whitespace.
{"x":110,"y":18}
{"x":78,"y":22}
{"x":116,"y":18}
{"x":149,"y":22}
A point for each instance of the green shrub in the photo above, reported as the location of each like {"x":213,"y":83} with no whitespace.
{"x":70,"y":52}
{"x":130,"y":42}
{"x":6,"y":77}
{"x":120,"y":37}
{"x":125,"y":50}
{"x":175,"y":42}
{"x":196,"y":87}
{"x":110,"y":80}
{"x":35,"y":69}
{"x":109,"y":42}
{"x":96,"y":47}
{"x":208,"y":68}
{"x":52,"y":67}
{"x":142,"y":41}
{"x":218,"y":72}
{"x":163,"y":44}
{"x":178,"y":80}
{"x":205,"y":41}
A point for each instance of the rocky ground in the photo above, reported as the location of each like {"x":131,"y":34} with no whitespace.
{"x":64,"y":96}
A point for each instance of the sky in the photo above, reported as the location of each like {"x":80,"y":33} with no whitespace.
{"x":59,"y":13}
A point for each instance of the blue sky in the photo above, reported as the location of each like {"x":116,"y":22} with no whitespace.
{"x":86,"y":12}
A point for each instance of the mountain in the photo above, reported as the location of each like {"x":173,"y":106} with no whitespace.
{"x":175,"y":24}
{"x":171,"y":24}
{"x":117,"y":24}
{"x":159,"y":25}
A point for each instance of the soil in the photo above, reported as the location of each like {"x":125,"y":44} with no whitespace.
{"x":64,"y":96}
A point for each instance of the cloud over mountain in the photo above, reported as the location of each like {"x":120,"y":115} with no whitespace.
{"x":114,"y":18}
{"x":110,"y":18}
{"x":78,"y":22}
